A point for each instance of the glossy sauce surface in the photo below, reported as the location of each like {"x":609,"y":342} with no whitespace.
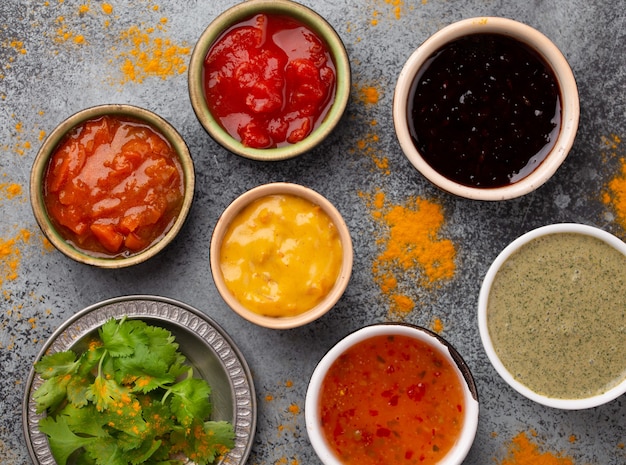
{"x":556,"y":315}
{"x":485,"y":111}
{"x":281,"y":255}
{"x":269,"y":81}
{"x":392,"y":400}
{"x":113,"y":186}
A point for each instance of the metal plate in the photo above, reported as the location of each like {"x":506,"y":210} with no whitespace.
{"x":208,"y":348}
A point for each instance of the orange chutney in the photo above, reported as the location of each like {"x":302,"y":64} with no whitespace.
{"x":391,"y":399}
{"x":113,"y":186}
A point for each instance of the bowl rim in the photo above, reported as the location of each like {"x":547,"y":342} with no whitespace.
{"x":485,"y":289}
{"x":570,"y":111}
{"x":468,"y":433}
{"x":46,"y":151}
{"x":238,"y":13}
{"x":277,"y":188}
{"x":156,"y":309}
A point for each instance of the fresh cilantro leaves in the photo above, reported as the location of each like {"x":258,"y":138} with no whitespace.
{"x":130,"y":398}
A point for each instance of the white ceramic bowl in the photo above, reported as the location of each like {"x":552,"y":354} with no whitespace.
{"x":487,"y":341}
{"x":241,"y":12}
{"x":545,"y":48}
{"x":459,"y":451}
{"x":335,"y":292}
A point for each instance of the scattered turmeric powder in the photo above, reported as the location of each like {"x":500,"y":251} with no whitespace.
{"x":150,"y":55}
{"x":368,"y":144}
{"x":374,"y":21}
{"x":410,"y":247}
{"x":10,"y":255}
{"x":437,"y":325}
{"x":65,"y":34}
{"x":521,"y":451}
{"x":368,"y":94}
{"x":11,"y":190}
{"x":614,"y":195}
{"x":285,"y":461}
{"x":107,"y":8}
{"x":396,"y":11}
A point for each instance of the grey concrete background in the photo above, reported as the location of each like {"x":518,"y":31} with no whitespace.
{"x":45,"y":76}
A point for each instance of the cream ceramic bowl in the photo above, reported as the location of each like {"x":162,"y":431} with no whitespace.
{"x":40,"y":165}
{"x":459,"y":450}
{"x":335,"y":292}
{"x":487,"y":339}
{"x":241,"y":12}
{"x":570,"y":110}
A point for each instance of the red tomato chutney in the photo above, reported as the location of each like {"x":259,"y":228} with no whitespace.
{"x":113,"y":186}
{"x":269,"y":81}
{"x":392,"y":399}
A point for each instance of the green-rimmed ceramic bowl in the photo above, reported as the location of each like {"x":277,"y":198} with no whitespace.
{"x":47,"y":150}
{"x":244,"y":11}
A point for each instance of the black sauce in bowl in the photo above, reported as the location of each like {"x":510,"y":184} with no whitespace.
{"x":485,"y":110}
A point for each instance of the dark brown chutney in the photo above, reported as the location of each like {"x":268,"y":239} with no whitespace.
{"x":485,"y":110}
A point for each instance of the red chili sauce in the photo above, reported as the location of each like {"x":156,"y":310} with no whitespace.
{"x":391,"y":400}
{"x":113,"y":186}
{"x":486,"y":110}
{"x":269,"y":81}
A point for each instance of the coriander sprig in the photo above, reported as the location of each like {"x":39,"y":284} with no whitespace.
{"x":130,"y":398}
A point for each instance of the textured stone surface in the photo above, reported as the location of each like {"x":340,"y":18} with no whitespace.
{"x":47,"y":74}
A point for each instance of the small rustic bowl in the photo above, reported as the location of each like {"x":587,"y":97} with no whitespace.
{"x":570,"y":110}
{"x":241,"y":12}
{"x":343,"y":277}
{"x":38,"y":173}
{"x":457,"y":453}
{"x":212,"y":353}
{"x":487,"y":340}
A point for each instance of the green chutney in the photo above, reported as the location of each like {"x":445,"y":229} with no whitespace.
{"x":556,"y":314}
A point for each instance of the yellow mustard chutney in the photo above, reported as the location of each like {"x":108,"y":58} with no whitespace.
{"x":281,"y":255}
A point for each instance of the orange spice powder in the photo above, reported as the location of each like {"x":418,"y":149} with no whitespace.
{"x":396,"y":10}
{"x":614,"y":194}
{"x":11,"y":190}
{"x":151,"y":55}
{"x":437,"y":325}
{"x":521,"y":451}
{"x":410,"y":248}
{"x":368,"y":94}
{"x":368,"y":145}
{"x":10,"y":255}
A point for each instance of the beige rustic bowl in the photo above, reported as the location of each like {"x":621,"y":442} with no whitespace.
{"x":459,"y":450}
{"x":344,"y":273}
{"x":48,"y":148}
{"x":243,"y":11}
{"x":545,"y":48}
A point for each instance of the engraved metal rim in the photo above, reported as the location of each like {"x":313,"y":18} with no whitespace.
{"x":174,"y":313}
